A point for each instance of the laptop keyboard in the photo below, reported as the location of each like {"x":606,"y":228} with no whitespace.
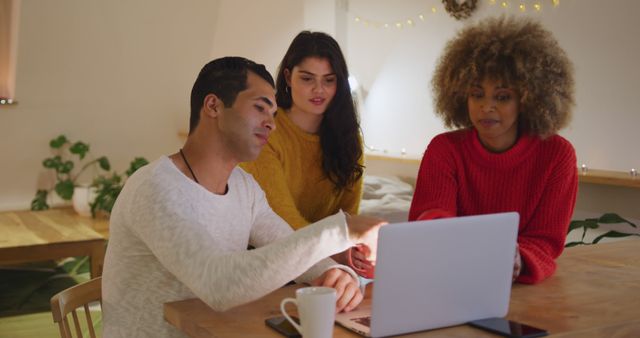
{"x":366,"y":321}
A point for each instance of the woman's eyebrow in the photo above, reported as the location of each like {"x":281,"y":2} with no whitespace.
{"x":306,"y":72}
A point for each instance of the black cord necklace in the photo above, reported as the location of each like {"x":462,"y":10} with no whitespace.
{"x":188,"y":166}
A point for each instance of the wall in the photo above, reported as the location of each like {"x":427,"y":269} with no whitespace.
{"x":118,"y":74}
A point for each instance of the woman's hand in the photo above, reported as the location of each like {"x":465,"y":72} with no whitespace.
{"x":357,"y":260}
{"x":517,"y":264}
{"x":364,"y":230}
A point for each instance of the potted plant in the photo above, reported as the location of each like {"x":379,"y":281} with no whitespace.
{"x":63,"y":164}
{"x":594,"y":223}
{"x":99,"y":196}
{"x":108,"y":187}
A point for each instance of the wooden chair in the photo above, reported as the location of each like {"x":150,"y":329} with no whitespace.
{"x":67,"y":301}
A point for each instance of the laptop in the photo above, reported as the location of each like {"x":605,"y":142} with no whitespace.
{"x":438,"y":273}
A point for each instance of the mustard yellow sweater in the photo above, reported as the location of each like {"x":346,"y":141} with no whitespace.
{"x":289,"y":170}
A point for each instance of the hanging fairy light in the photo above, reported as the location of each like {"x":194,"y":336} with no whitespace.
{"x":412,"y":21}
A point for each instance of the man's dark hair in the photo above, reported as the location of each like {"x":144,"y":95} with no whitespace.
{"x":225,"y":77}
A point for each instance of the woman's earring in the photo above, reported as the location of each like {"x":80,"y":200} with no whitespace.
{"x":286,"y":89}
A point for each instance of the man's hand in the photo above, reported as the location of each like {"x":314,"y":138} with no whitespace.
{"x":517,"y":264}
{"x":364,"y":230}
{"x":348,"y":294}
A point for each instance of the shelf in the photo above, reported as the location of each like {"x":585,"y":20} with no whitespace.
{"x":609,"y":177}
{"x":407,"y":159}
{"x":592,"y":176}
{"x":7,"y":102}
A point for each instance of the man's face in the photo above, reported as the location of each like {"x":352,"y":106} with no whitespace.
{"x":246,"y":125}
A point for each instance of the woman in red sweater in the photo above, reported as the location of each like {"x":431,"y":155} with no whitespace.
{"x":507,"y":87}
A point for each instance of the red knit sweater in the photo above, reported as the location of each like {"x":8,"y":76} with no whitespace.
{"x":537,"y":178}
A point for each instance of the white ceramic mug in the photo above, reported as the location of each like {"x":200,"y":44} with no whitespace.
{"x":317,"y":310}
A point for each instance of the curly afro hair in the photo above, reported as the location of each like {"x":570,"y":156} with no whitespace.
{"x":521,"y":54}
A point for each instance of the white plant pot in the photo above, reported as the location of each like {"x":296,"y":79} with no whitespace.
{"x":82,"y":197}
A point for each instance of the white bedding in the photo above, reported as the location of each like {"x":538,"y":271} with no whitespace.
{"x":386,"y":197}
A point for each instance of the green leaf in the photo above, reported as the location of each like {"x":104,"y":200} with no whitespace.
{"x":104,"y":163}
{"x":612,"y":234}
{"x":106,"y":194}
{"x":76,"y":265}
{"x":136,"y":164}
{"x":79,"y":148}
{"x":589,"y":223}
{"x":611,"y":218}
{"x":64,"y":189}
{"x":571,"y":244}
{"x":39,"y":202}
{"x":50,"y":163}
{"x":58,"y":142}
{"x":575,"y":224}
{"x":66,"y":167}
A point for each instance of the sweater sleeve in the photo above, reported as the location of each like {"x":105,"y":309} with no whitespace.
{"x":436,"y":185}
{"x":268,"y":227}
{"x":268,"y":171}
{"x":542,"y":239}
{"x":222,"y":279}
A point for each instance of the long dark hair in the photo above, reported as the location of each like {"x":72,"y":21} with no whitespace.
{"x":340,"y":129}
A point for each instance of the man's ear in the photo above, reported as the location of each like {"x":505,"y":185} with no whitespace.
{"x":212,"y":105}
{"x":287,"y":77}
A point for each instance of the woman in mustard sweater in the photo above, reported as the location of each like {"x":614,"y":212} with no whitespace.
{"x":312,"y":166}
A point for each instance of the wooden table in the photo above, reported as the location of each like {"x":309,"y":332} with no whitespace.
{"x":28,"y":236}
{"x":594,"y":293}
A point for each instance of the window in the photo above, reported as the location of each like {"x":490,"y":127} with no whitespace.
{"x":8,"y":49}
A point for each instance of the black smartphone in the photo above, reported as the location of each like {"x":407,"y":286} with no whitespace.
{"x":283,"y":326}
{"x":508,"y":328}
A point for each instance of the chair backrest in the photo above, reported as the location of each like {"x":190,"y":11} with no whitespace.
{"x":67,"y":301}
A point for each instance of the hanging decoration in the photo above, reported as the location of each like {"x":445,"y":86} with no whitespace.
{"x":460,"y":10}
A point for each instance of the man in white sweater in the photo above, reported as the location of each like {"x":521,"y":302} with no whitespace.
{"x":181,"y":225}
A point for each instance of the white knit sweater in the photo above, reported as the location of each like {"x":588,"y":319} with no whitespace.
{"x":171,"y":239}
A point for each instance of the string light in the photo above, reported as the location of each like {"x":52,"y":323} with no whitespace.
{"x":414,"y":20}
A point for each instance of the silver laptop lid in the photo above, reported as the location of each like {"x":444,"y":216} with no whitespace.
{"x":443,"y":272}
